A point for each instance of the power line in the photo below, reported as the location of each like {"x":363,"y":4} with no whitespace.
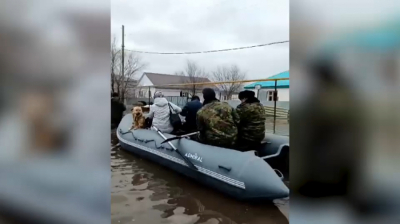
{"x":210,"y":51}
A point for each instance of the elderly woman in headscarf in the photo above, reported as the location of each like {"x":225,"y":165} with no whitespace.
{"x":160,"y":113}
{"x":217,"y":121}
{"x":252,"y":121}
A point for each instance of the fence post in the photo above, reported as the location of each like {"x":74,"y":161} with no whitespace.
{"x":275,"y":97}
{"x":149,"y":95}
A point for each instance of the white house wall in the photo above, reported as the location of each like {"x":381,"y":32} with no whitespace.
{"x":177,"y":92}
{"x":144,"y":81}
{"x":286,"y":95}
{"x":170,"y":92}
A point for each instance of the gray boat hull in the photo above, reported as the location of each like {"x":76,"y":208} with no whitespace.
{"x":241,"y":175}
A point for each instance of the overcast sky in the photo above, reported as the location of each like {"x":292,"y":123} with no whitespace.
{"x":180,"y":26}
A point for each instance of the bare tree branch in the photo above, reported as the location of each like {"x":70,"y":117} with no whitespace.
{"x":133,"y":64}
{"x":225,"y":74}
{"x":193,"y":74}
{"x":114,"y":61}
{"x":132,"y":67}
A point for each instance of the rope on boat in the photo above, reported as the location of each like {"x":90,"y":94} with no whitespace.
{"x":147,"y":141}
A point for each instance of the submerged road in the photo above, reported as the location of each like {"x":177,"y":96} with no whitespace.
{"x":145,"y":192}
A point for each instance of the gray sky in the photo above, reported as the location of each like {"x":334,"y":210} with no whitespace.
{"x":178,"y":26}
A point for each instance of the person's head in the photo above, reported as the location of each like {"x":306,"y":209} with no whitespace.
{"x":208,"y":94}
{"x":246,"y":94}
{"x":195,"y":98}
{"x":114,"y":95}
{"x":158,"y":94}
{"x":137,"y":111}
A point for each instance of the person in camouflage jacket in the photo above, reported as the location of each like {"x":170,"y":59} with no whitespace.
{"x":217,"y":121}
{"x":252,"y":121}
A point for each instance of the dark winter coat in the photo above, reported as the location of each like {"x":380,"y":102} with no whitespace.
{"x":190,"y":111}
{"x":117,"y":111}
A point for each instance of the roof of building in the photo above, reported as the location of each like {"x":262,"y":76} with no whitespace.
{"x":165,"y":79}
{"x":271,"y":84}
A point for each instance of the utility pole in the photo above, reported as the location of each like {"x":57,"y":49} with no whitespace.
{"x":122,"y":59}
{"x":123,"y":46}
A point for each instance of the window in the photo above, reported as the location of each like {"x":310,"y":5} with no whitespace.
{"x":184,"y":94}
{"x":270,"y":95}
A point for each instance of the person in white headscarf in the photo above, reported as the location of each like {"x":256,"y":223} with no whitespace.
{"x":160,"y":112}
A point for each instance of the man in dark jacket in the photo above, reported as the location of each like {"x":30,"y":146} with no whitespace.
{"x":189,"y":111}
{"x":117,"y":110}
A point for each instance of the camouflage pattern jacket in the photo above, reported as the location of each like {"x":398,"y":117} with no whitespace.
{"x":217,"y":123}
{"x":252,"y":120}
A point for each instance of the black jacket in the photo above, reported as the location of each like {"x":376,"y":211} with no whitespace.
{"x":117,"y":111}
{"x":190,"y":112}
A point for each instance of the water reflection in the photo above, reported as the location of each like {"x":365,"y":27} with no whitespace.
{"x":144,"y":192}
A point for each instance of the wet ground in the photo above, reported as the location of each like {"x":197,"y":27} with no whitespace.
{"x":144,"y":192}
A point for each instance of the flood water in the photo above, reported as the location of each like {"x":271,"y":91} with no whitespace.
{"x":145,"y":192}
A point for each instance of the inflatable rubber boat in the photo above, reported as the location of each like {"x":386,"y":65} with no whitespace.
{"x":242,"y":175}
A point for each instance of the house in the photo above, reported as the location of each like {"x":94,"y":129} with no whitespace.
{"x":157,"y":82}
{"x":235,"y":95}
{"x":267,"y":88}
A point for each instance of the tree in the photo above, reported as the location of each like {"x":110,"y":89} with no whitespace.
{"x":229,"y":74}
{"x":114,"y":61}
{"x":121,"y":83}
{"x":194,"y":74}
{"x":132,"y":67}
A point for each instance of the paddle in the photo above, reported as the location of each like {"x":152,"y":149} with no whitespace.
{"x":179,"y":137}
{"x":188,"y":162}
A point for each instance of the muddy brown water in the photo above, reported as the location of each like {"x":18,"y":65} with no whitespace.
{"x":145,"y":192}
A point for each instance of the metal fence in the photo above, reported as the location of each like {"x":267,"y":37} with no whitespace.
{"x":177,"y":100}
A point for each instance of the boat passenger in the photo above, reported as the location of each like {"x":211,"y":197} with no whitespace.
{"x":217,"y":121}
{"x":251,"y":130}
{"x":160,"y":112}
{"x":190,"y":112}
{"x":117,"y":110}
